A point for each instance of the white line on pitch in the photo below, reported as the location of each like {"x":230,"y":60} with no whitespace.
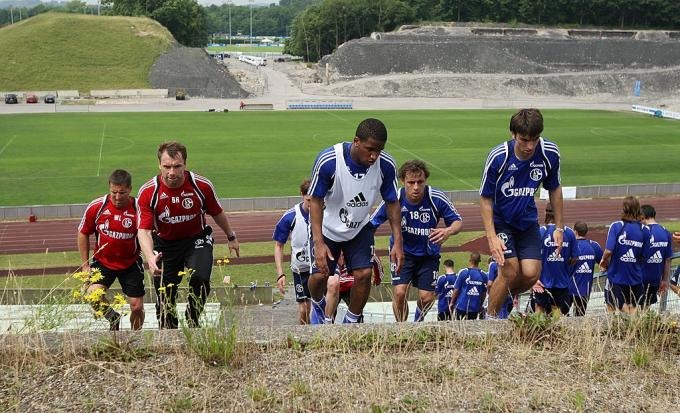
{"x":7,"y":144}
{"x":101,"y":148}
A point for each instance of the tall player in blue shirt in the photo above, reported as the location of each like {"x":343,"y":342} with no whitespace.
{"x":626,"y":250}
{"x":421,"y":209}
{"x":295,"y":223}
{"x":589,"y":253}
{"x":551,"y":291}
{"x":657,"y":268}
{"x":512,"y":173}
{"x":347,"y":180}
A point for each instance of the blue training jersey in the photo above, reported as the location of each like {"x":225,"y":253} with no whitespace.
{"x":444,"y":290}
{"x":418,"y":220}
{"x":555,"y":270}
{"x":323,"y":173}
{"x":493,"y":274}
{"x":511,"y":182}
{"x":287,"y":223}
{"x":629,"y":243}
{"x":471,"y":284}
{"x":588,"y":253}
{"x":660,"y":249}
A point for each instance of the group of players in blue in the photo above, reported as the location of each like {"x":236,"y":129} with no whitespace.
{"x":553,"y":261}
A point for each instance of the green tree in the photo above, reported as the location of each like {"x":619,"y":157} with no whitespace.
{"x":186,"y":21}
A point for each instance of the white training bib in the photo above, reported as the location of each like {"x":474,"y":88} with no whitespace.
{"x":350,"y":199}
{"x":299,"y":243}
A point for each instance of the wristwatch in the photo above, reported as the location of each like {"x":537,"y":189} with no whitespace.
{"x":231,"y":237}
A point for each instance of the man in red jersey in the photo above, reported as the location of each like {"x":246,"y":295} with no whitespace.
{"x":173,"y":233}
{"x":113,"y":220}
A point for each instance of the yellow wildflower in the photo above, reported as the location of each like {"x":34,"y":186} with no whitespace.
{"x":161,"y":289}
{"x":99,"y":314}
{"x":96,"y":276}
{"x":95,"y":296}
{"x":83,"y":276}
{"x":119,"y":300}
{"x":170,"y":285}
{"x":77,"y":294}
{"x":226,"y":260}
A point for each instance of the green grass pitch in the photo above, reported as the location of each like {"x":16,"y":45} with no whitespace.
{"x":66,"y":158}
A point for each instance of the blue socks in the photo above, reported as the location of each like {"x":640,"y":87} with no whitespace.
{"x":418,"y":316}
{"x":318,"y":313}
{"x":351,"y":318}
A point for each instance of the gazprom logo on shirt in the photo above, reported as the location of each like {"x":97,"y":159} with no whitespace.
{"x":508,"y":189}
{"x":631,"y":243}
{"x":166,"y":218}
{"x":659,"y":244}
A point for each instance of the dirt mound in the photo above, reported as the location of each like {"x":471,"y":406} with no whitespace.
{"x":493,"y":62}
{"x":192,"y":70}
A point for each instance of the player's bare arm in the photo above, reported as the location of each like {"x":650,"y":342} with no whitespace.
{"x":496,"y":246}
{"x":397,"y":251}
{"x":321,"y":252}
{"x":665,"y":279}
{"x":146,"y":244}
{"x":84,"y":250}
{"x":223,"y":222}
{"x":440,"y":235}
{"x":558,"y":209}
{"x":278,"y":261}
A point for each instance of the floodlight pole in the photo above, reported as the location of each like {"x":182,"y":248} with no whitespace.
{"x":251,"y":22}
{"x":229,"y":3}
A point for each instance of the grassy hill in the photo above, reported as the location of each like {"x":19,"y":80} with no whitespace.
{"x":58,"y":51}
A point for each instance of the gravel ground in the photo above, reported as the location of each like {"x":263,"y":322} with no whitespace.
{"x":192,"y":70}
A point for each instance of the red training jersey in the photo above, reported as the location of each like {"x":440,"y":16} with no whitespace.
{"x":177,"y":213}
{"x":115,"y":232}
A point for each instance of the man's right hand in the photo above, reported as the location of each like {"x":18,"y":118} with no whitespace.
{"x":497,"y":248}
{"x":322,"y":254}
{"x":154,"y":264}
{"x":281,"y":283}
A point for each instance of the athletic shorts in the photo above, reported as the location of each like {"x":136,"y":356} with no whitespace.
{"x":552,"y":297}
{"x":649,"y":294}
{"x":345,"y":295}
{"x":421,"y":272}
{"x":358,"y":251}
{"x":195,"y":253}
{"x":521,"y":244}
{"x":301,"y":288}
{"x":466,"y":315}
{"x":131,"y":279}
{"x":626,"y":294}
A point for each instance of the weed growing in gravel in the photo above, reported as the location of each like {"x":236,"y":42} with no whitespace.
{"x":116,"y":347}
{"x":217,"y":344}
{"x":536,"y":329}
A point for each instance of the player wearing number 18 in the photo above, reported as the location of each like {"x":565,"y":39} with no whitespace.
{"x":421,"y":209}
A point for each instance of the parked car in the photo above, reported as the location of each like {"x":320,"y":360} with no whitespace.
{"x":50,"y":99}
{"x":31,"y":99}
{"x":180,"y":94}
{"x":11,"y":98}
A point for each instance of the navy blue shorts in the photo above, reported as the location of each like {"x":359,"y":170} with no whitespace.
{"x":626,"y":294}
{"x":649,"y":294}
{"x":131,"y":279}
{"x":358,"y":251}
{"x":466,"y":315}
{"x":301,"y":288}
{"x":552,"y":298}
{"x":421,"y":272}
{"x":521,"y":244}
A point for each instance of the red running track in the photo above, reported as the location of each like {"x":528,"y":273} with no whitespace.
{"x":60,"y":235}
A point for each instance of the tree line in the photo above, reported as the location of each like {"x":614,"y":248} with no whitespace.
{"x":317,"y":27}
{"x":322,"y":27}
